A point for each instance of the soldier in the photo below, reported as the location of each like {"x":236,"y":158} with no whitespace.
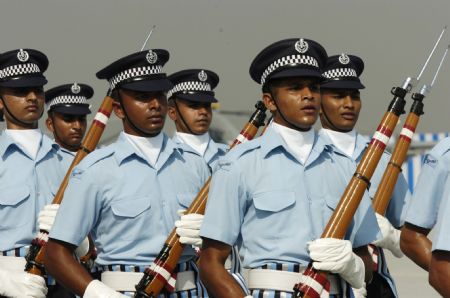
{"x":273,"y":196}
{"x":440,"y":258}
{"x":340,"y":107}
{"x":67,"y":108}
{"x":190,"y":108}
{"x":30,"y":168}
{"x":422,"y":213}
{"x":124,"y":194}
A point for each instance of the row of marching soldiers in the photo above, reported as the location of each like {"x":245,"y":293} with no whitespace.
{"x":269,"y":198}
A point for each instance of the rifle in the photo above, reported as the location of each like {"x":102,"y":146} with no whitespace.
{"x":157,"y":275}
{"x":383,"y":195}
{"x":35,"y":255}
{"x":341,"y":218}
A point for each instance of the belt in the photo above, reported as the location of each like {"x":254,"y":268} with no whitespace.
{"x":12,"y":263}
{"x":126,"y":281}
{"x":282,"y":280}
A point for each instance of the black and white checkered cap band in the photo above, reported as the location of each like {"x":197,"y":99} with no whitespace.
{"x":340,"y":72}
{"x":134,"y":73}
{"x":19,"y":69}
{"x":66,"y":100}
{"x":287,"y":60}
{"x":189,"y":86}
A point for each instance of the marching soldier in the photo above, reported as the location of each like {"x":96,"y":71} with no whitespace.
{"x":422,"y":213}
{"x":124,"y":194}
{"x":340,"y":107}
{"x":67,"y":108}
{"x":30,"y":169}
{"x":190,"y":108}
{"x":273,"y":196}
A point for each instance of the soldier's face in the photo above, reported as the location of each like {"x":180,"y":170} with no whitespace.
{"x":68,"y":130}
{"x":340,"y":107}
{"x":26,"y":104}
{"x":190,"y":116}
{"x":147,"y":111}
{"x":295,"y":102}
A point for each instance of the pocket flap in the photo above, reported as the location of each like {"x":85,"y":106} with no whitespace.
{"x":10,"y":196}
{"x":185,"y":199}
{"x":274,"y":201}
{"x":130,"y":207}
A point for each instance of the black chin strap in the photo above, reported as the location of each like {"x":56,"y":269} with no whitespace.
{"x":128,"y":119}
{"x":284,"y":118}
{"x":14,"y":117}
{"x":182,"y":119}
{"x":330,"y":123}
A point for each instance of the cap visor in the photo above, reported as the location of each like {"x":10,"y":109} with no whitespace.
{"x":297,"y":72}
{"x":197,"y":97}
{"x":148,"y":85}
{"x":25,"y":82}
{"x":72,"y":109}
{"x":341,"y":84}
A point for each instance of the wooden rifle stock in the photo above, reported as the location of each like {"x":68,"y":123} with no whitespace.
{"x":35,"y":255}
{"x":341,"y":218}
{"x":387,"y":184}
{"x":152,"y":282}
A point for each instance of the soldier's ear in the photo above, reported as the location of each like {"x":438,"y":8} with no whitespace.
{"x":172,"y":112}
{"x":49,"y":124}
{"x":117,"y":107}
{"x":269,"y":102}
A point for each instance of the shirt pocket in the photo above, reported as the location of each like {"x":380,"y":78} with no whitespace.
{"x":131,"y":217}
{"x":274,"y":213}
{"x":185,"y":199}
{"x":15,"y":207}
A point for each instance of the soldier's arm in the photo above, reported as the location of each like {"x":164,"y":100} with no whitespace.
{"x":215,"y":277}
{"x":364,"y":254}
{"x":60,"y":263}
{"x":416,"y":245}
{"x":440,"y":272}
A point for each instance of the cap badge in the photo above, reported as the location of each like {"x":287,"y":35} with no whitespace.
{"x":23,"y":55}
{"x":301,"y":46}
{"x":75,"y":88}
{"x":202,"y":76}
{"x":344,"y":59}
{"x":151,"y":57}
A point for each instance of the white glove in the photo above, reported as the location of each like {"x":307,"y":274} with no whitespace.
{"x":391,"y":236}
{"x":337,"y":256}
{"x":83,"y":248}
{"x":21,"y":284}
{"x":188,"y":228}
{"x":361,"y":292}
{"x":47,"y":216}
{"x":97,"y":289}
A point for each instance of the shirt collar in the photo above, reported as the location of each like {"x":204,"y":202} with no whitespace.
{"x":360,"y":145}
{"x":46,"y":146}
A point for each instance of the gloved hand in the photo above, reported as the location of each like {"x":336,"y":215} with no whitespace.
{"x":83,"y":248}
{"x":47,"y":216}
{"x":361,"y":292}
{"x":337,"y":256}
{"x":391,"y":236}
{"x":188,"y":228}
{"x":97,"y":289}
{"x":21,"y":284}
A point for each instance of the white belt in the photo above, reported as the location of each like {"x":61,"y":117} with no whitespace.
{"x":282,"y":280}
{"x":12,"y":263}
{"x":126,"y":281}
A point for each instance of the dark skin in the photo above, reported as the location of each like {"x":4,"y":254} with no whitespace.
{"x":299,"y":101}
{"x":440,"y":272}
{"x":147,"y":110}
{"x":416,"y":245}
{"x":190,"y":116}
{"x":68,"y":130}
{"x":26,"y":104}
{"x":341,"y":107}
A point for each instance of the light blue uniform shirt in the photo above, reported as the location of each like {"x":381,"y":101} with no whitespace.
{"x":212,"y":154}
{"x":431,"y":187}
{"x":26,"y":186}
{"x":67,"y":156}
{"x":270,"y":205}
{"x":401,"y":195}
{"x":128,"y":206}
